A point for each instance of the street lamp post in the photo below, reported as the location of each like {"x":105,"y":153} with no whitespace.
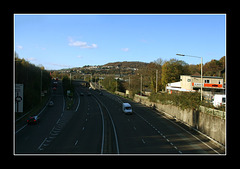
{"x":201,"y":70}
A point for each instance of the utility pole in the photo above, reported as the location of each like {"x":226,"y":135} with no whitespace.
{"x":129,"y":83}
{"x":201,"y":79}
{"x":201,"y":71}
{"x":141,"y":85}
{"x":156,"y":79}
{"x":41,"y":88}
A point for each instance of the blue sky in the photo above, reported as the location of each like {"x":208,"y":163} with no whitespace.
{"x":65,"y":41}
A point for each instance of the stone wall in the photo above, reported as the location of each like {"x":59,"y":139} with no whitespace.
{"x":207,"y":123}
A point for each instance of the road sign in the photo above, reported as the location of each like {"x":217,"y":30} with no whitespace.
{"x":18,"y":97}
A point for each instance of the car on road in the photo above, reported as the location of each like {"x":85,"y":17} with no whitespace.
{"x":89,"y":94}
{"x":54,"y":88}
{"x":101,"y":94}
{"x":33,"y":120}
{"x":127,"y":108}
{"x":51,"y":103}
{"x":81,"y":94}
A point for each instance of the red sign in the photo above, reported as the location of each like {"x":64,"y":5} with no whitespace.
{"x":207,"y":85}
{"x":212,"y":85}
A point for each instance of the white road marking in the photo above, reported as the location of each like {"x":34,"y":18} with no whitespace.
{"x":21,"y":128}
{"x":76,"y":142}
{"x":158,"y":132}
{"x":78,"y":102}
{"x":114,"y":128}
{"x":63,"y":104}
{"x":83,"y":128}
{"x":102,"y":126}
{"x":58,"y":120}
{"x":42,"y":144}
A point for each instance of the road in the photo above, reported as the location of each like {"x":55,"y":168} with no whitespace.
{"x":96,"y":125}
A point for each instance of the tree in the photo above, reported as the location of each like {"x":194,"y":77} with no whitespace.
{"x":30,"y":76}
{"x":109,"y":83}
{"x":171,"y":71}
{"x":213,"y":68}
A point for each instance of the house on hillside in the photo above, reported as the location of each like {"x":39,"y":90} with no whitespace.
{"x":191,"y":83}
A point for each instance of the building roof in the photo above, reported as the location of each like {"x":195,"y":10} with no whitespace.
{"x":175,"y":84}
{"x":213,"y":77}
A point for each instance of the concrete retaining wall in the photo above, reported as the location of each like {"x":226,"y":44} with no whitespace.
{"x":211,"y":125}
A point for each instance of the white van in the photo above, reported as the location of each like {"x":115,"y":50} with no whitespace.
{"x":219,"y":100}
{"x":127,"y":109}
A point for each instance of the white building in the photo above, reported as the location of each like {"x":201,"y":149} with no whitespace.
{"x":190,"y":83}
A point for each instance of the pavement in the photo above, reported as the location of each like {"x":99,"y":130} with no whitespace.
{"x":96,"y":125}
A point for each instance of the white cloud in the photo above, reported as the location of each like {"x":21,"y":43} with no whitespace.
{"x":79,"y":56}
{"x":125,"y":49}
{"x":20,"y":47}
{"x":59,"y":65}
{"x":31,"y":59}
{"x":81,"y":44}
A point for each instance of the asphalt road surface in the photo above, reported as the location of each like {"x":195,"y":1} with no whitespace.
{"x":97,"y":125}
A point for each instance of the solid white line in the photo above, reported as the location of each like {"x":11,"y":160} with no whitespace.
{"x":184,"y":130}
{"x":194,"y":136}
{"x":78,"y":102}
{"x":76,"y":142}
{"x":37,"y":115}
{"x":21,"y":128}
{"x":102,"y":126}
{"x":114,"y":128}
{"x":44,"y":107}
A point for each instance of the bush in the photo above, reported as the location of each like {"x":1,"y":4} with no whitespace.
{"x":67,"y":85}
{"x":184,"y":100}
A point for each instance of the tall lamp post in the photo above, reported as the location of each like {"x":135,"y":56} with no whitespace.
{"x":201,"y":70}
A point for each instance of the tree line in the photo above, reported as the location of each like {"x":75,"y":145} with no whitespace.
{"x":165,"y":72}
{"x":31,"y":77}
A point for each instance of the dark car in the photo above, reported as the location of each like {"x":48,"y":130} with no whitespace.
{"x":33,"y":120}
{"x":51,"y":103}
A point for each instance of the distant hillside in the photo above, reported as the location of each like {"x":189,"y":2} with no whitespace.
{"x":128,"y":64}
